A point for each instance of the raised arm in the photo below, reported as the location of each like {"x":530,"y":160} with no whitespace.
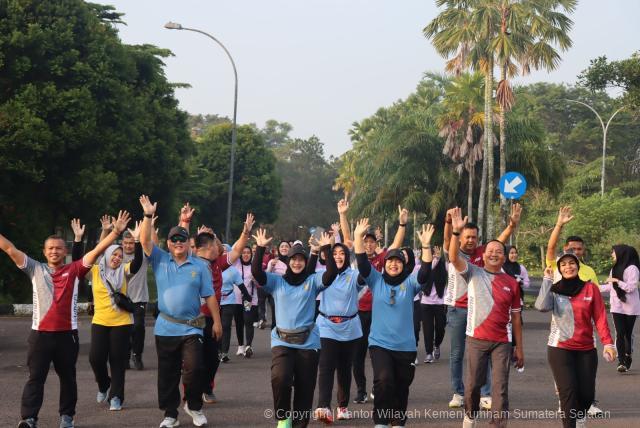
{"x":426,"y":257}
{"x":564,"y":217}
{"x":106,"y":226}
{"x":313,"y":255}
{"x":544,"y":302}
{"x":136,"y":263}
{"x":331,"y":273}
{"x":447,"y":229}
{"x":256,"y":264}
{"x":149,"y":210}
{"x":403,"y":217}
{"x":118,"y":227}
{"x":514,"y":220}
{"x":77,"y":249}
{"x":457,"y":223}
{"x":343,"y":207}
{"x":154,"y":230}
{"x":364,"y":266}
{"x":14,"y":254}
{"x":236,"y":250}
{"x":186,"y":212}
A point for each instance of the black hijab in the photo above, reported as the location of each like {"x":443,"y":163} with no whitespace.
{"x":296,"y":278}
{"x":626,"y":256}
{"x":398,"y":279}
{"x":438,"y":278}
{"x":568,"y":286}
{"x":411,"y":260}
{"x":347,"y":257}
{"x":509,"y":267}
{"x":249,"y":262}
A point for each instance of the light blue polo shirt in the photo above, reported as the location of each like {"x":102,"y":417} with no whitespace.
{"x":341,"y":299}
{"x":230,"y":278}
{"x":392,"y":325}
{"x":295,"y":307}
{"x":180,"y":288}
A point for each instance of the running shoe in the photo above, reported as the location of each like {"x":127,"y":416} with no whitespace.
{"x":468,"y":422}
{"x":416,"y":362}
{"x":361,"y":398}
{"x":485,"y":403}
{"x":169,"y":423}
{"x":285,"y":423}
{"x":255,"y":324}
{"x":581,"y":423}
{"x":456,"y":401}
{"x":323,"y":414}
{"x":372,"y":396}
{"x":622,"y":368}
{"x":199,"y":419}
{"x":436,"y":352}
{"x":261,"y":324}
{"x":343,"y":414}
{"x":248,"y":351}
{"x":628,"y":363}
{"x":115,"y":404}
{"x":137,"y":362}
{"x":101,"y":397}
{"x":594,"y":411}
{"x":209,"y":397}
{"x":224,"y":358}
{"x":28,"y":423}
{"x":429,"y":359}
{"x":240,"y":350}
{"x":66,"y":421}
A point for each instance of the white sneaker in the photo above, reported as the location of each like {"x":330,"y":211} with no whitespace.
{"x":371,"y":395}
{"x":198,"y":417}
{"x":594,"y":411}
{"x":324,"y":415}
{"x":240,"y":350}
{"x":255,"y":324}
{"x":456,"y":401}
{"x":343,"y":414}
{"x":248,"y":351}
{"x":429,"y":359}
{"x":485,"y":403}
{"x":416,"y":362}
{"x":581,"y":423}
{"x":169,"y":423}
{"x":468,"y":422}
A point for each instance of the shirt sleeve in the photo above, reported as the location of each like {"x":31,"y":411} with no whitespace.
{"x":206,"y":281}
{"x":524,"y":275}
{"x":631,"y":275}
{"x":272,"y":282}
{"x":156,"y":256}
{"x":516,"y":302}
{"x":81,"y":268}
{"x":600,"y":318}
{"x":545,"y":301}
{"x":28,"y":266}
{"x":412,"y":281}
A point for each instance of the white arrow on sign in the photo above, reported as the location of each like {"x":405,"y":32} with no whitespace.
{"x":510,"y":186}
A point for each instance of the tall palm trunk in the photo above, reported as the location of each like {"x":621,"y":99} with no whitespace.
{"x":470,"y":193}
{"x":482,"y":199}
{"x":488,"y":128}
{"x":503,"y":142}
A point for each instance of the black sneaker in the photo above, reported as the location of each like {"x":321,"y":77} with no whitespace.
{"x":628,"y":362}
{"x":28,"y":423}
{"x":137,"y":362}
{"x":361,"y":398}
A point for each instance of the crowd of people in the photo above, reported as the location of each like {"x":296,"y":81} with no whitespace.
{"x":331,"y":302}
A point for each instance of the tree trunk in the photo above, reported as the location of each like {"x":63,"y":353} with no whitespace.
{"x":470,"y":193}
{"x":482,"y":199}
{"x":503,"y":159}
{"x":488,"y":134}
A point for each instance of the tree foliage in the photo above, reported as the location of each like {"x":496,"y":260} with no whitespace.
{"x":623,"y":74}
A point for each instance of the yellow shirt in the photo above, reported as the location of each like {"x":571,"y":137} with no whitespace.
{"x":585,"y":272}
{"x":104,"y":313}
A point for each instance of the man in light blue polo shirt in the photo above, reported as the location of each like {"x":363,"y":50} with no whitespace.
{"x":182,"y":280}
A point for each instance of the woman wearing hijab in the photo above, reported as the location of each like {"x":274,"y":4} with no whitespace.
{"x":624,"y":300}
{"x":433,"y":309}
{"x":340,"y":329}
{"x":250,"y":314}
{"x":392,"y":344}
{"x":514,"y":269}
{"x":111,"y":325}
{"x":278,"y":266}
{"x":575,"y":305}
{"x":295,"y":339}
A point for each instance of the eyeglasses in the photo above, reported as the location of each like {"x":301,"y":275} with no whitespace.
{"x":178,"y":238}
{"x":392,"y":299}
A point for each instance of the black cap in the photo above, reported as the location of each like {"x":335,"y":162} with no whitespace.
{"x":370,"y":232}
{"x":397,"y":254}
{"x":566,"y":254}
{"x":178,"y":231}
{"x":297,"y":250}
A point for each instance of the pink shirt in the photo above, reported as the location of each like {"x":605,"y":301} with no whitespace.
{"x":433,"y":299}
{"x":629,"y":284}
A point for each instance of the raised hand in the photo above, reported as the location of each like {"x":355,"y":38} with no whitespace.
{"x":379,"y":234}
{"x":135,"y":232}
{"x":121,"y":222}
{"x":261,"y":238}
{"x":186,"y":212}
{"x":325,"y":239}
{"x":361,"y":227}
{"x":248,"y":223}
{"x":148,"y":207}
{"x":457,"y":221}
{"x":335,"y":228}
{"x":447,"y":216}
{"x":564,"y":216}
{"x":516,"y":211}
{"x":343,"y":206}
{"x":205,"y":229}
{"x":548,"y":272}
{"x":426,"y":234}
{"x":403,"y":215}
{"x":313,"y":244}
{"x":105,"y":222}
{"x":78,"y":230}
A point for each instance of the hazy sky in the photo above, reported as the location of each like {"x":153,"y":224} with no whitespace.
{"x":322,"y":64}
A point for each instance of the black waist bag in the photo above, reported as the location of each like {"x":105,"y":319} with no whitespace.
{"x":122,"y":300}
{"x":294,"y":337}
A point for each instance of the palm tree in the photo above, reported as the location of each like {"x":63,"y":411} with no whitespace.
{"x":461,"y":125}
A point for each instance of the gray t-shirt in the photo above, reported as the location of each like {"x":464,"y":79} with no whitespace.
{"x":137,"y":288}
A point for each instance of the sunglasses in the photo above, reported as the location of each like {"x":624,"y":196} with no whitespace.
{"x":178,"y":238}
{"x":392,"y":299}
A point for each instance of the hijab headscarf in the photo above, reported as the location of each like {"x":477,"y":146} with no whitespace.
{"x":283,"y":257}
{"x":509,"y":267}
{"x":626,"y":256}
{"x":438,"y":278}
{"x":395,"y":280}
{"x":296,"y":278}
{"x":242,"y":261}
{"x":568,"y":286}
{"x":347,"y":257}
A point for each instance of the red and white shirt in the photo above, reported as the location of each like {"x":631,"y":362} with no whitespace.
{"x":217,"y":267}
{"x":55,"y":294}
{"x":365,"y":298}
{"x":454,"y":295}
{"x":492,"y":298}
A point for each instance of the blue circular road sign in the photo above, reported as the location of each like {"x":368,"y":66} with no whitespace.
{"x":512,"y":185}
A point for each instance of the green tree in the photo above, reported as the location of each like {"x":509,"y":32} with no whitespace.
{"x":623,"y":74}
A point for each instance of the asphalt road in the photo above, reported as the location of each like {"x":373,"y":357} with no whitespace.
{"x":244,"y":393}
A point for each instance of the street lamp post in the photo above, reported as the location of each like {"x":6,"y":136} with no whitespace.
{"x":176,"y":26}
{"x":605,"y":128}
